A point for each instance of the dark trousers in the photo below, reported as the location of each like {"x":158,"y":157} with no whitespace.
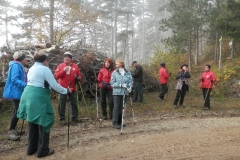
{"x":138,"y":91}
{"x":106,"y":93}
{"x":180,"y":94}
{"x":14,"y":118}
{"x":38,"y":140}
{"x":117,"y":109}
{"x":206,"y":96}
{"x":164,"y":90}
{"x":62,"y":100}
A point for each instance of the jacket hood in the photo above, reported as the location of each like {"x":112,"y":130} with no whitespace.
{"x":13,"y":62}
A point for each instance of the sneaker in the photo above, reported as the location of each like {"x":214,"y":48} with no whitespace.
{"x":116,"y":126}
{"x":175,"y":106}
{"x":206,"y":108}
{"x":13,"y":136}
{"x":63,"y":123}
{"x":18,"y":132}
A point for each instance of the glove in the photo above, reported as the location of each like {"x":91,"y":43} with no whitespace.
{"x":211,"y":81}
{"x":77,"y":79}
{"x":129,"y":90}
{"x":124,"y":85}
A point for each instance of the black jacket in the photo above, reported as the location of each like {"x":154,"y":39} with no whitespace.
{"x":183,"y":74}
{"x":138,"y":74}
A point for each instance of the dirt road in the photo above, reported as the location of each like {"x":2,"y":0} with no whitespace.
{"x":157,"y":138}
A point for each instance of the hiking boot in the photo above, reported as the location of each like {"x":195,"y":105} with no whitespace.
{"x":50,"y":152}
{"x":161,"y":99}
{"x":134,"y":100}
{"x":18,"y":132}
{"x":77,"y":120}
{"x":104,"y":117}
{"x":182,"y":106}
{"x":116,"y":126}
{"x":124,"y":125}
{"x":12,"y":135}
{"x":63,"y":123}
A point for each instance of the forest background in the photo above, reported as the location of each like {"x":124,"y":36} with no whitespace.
{"x":149,"y":31}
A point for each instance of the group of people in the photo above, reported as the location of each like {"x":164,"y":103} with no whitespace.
{"x":31,"y":93}
{"x":115,"y":84}
{"x":206,"y":80}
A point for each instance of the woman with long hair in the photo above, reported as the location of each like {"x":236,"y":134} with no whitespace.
{"x":104,"y":78}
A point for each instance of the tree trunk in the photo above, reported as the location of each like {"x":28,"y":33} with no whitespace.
{"x":197,"y":49}
{"x":143,"y":34}
{"x":216,"y":48}
{"x":6,"y":27}
{"x":126,"y":44}
{"x":115,"y":29}
{"x":51,"y":20}
{"x":232,"y":48}
{"x":220,"y":53}
{"x":112,"y":27}
{"x":190,"y":48}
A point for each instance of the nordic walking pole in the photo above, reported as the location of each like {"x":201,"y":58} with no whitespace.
{"x":83,"y":98}
{"x":96,"y":99}
{"x":123,"y":112}
{"x":207,"y":92}
{"x":69,"y":108}
{"x":96,"y":95}
{"x":21,"y":129}
{"x":132,"y":109}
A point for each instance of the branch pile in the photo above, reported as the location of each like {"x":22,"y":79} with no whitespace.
{"x":90,"y":62}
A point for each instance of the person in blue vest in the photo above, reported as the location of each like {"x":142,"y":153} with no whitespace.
{"x":35,"y":105}
{"x":15,"y":84}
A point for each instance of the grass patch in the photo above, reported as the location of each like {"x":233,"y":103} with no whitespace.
{"x":150,"y":107}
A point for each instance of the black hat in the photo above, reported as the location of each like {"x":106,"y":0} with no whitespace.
{"x":134,"y":62}
{"x":163,"y":64}
{"x":184,"y":65}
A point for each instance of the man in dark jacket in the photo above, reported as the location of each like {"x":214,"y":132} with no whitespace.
{"x":138,"y":79}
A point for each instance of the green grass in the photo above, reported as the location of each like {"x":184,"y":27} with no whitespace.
{"x":150,"y":107}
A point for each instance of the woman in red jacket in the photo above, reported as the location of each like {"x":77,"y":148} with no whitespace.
{"x":104,"y":78}
{"x":207,"y":79}
{"x":163,"y":79}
